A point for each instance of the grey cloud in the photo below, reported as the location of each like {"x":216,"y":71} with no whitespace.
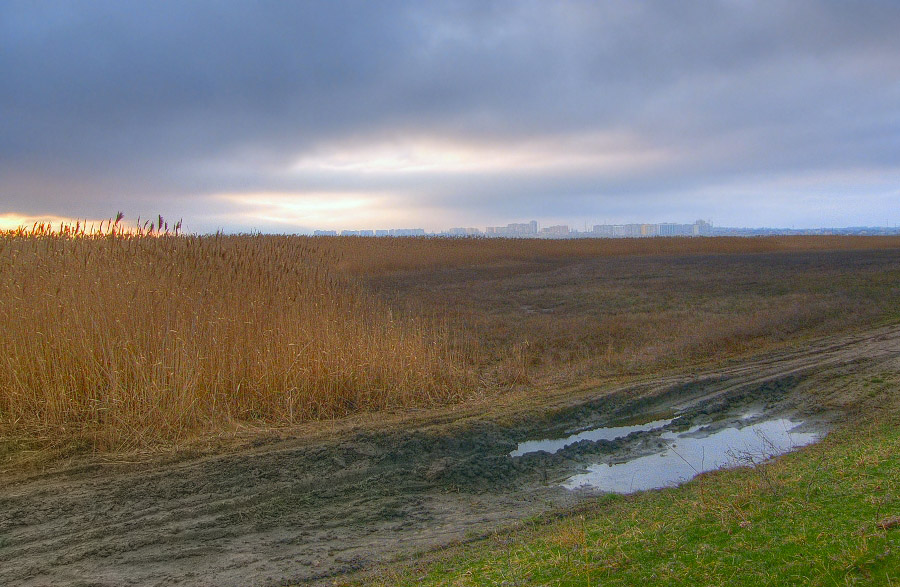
{"x":112,"y":101}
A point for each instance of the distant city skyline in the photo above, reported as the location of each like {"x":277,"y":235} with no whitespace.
{"x":533,"y":229}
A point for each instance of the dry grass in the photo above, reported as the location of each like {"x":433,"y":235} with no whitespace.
{"x":127,"y":338}
{"x":564,"y":320}
{"x":381,"y":256}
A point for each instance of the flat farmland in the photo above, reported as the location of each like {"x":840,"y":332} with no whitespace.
{"x":273,"y":410}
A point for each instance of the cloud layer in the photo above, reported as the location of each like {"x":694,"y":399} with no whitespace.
{"x":289,"y":116}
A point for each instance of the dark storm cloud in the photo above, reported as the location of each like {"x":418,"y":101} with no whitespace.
{"x":145,"y":105}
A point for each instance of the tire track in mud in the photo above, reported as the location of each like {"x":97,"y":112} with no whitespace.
{"x":304,"y":510}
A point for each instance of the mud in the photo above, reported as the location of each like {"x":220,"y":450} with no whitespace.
{"x":308,"y":509}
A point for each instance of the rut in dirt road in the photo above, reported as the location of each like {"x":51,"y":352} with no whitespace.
{"x":304,"y":510}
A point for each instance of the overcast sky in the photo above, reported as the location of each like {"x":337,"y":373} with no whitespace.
{"x":288,"y":116}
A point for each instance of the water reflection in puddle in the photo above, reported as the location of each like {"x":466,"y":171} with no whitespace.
{"x":609,"y":433}
{"x":687,"y":454}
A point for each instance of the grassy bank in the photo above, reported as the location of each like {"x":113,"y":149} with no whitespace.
{"x":826,"y":515}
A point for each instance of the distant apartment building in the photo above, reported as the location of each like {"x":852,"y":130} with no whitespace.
{"x":602,"y":230}
{"x":460,"y":231}
{"x":382,"y":233}
{"x":408,"y":232}
{"x":558,"y":230}
{"x":672,"y":229}
{"x":324,"y":233}
{"x":626,"y":230}
{"x":514,"y":230}
{"x":702,"y":228}
{"x":649,"y":229}
{"x":698,"y":228}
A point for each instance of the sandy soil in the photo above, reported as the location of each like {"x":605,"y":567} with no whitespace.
{"x":307,"y":509}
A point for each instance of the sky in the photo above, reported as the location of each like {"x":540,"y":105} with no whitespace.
{"x":292,"y":116}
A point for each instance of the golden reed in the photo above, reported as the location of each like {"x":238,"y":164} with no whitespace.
{"x":129,"y":337}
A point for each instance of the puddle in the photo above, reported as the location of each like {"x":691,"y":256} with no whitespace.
{"x":692,"y":452}
{"x":610,"y":433}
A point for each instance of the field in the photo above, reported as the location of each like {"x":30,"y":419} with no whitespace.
{"x":311,"y":405}
{"x":118,"y":340}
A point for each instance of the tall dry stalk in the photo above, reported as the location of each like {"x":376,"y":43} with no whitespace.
{"x":128,"y":337}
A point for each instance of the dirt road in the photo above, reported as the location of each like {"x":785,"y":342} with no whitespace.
{"x":306,"y":509}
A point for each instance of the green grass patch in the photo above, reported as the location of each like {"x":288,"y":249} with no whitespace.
{"x":828,"y":514}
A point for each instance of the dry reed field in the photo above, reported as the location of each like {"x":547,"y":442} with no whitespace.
{"x":123,"y":338}
{"x":116,"y":339}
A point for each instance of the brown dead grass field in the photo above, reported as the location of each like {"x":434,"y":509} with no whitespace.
{"x":561,"y":319}
{"x":115,"y":340}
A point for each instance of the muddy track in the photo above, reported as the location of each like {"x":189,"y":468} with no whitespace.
{"x":306,"y":509}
